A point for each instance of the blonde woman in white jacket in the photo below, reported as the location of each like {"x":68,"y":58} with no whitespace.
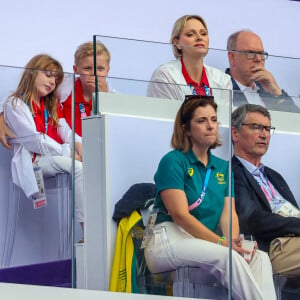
{"x":43,"y":138}
{"x":188,"y":74}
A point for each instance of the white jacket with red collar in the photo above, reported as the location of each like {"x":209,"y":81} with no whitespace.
{"x":168,"y":82}
{"x":28,"y":141}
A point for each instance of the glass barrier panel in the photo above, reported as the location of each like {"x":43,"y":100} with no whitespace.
{"x":134,"y":59}
{"x":274,"y":87}
{"x":286,"y":72}
{"x":148,"y":123}
{"x":36,"y":201}
{"x":137,"y":60}
{"x":74,"y":108}
{"x":138,"y":104}
{"x":129,"y":100}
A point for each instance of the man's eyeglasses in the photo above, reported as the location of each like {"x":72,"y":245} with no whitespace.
{"x":188,"y":98}
{"x":253,"y":54}
{"x":258,"y":128}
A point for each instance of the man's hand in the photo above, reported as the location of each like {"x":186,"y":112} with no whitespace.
{"x":237,"y":244}
{"x":266,"y":79}
{"x":102,"y":84}
{"x":5,"y":132}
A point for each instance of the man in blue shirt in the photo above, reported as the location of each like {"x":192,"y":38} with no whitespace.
{"x":265,"y":204}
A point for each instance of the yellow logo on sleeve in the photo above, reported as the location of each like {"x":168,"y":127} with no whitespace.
{"x":191,"y":171}
{"x":220,"y":178}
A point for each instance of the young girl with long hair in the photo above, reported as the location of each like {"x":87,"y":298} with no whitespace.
{"x":43,"y":138}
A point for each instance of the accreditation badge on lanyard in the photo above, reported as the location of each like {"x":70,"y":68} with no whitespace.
{"x":286,"y":209}
{"x":82,"y":110}
{"x":39,"y":200}
{"x":278,"y":204}
{"x":203,"y":90}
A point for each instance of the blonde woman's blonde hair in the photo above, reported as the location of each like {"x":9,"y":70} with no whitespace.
{"x":178,"y":28}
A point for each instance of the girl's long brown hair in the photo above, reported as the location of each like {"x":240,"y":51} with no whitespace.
{"x":26,"y":87}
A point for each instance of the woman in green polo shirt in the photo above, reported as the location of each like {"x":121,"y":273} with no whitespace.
{"x":193,"y":201}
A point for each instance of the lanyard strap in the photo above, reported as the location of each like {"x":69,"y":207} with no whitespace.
{"x":267,"y":194}
{"x":82,"y":110}
{"x":202,"y":195}
{"x":197,"y":91}
{"x":46,"y":114}
{"x":207,"y":90}
{"x":271,"y":194}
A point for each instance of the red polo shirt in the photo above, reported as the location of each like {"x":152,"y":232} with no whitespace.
{"x":82,"y":108}
{"x":39,"y":119}
{"x":198,"y":89}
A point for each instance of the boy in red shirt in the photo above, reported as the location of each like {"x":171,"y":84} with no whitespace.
{"x":85,"y":84}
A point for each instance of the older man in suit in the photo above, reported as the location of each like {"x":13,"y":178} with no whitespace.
{"x":251,"y":81}
{"x":265,"y":204}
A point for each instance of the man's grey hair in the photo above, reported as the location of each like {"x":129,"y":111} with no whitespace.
{"x":239,"y":115}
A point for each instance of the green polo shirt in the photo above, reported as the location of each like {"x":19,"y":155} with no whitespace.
{"x":183,"y":171}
